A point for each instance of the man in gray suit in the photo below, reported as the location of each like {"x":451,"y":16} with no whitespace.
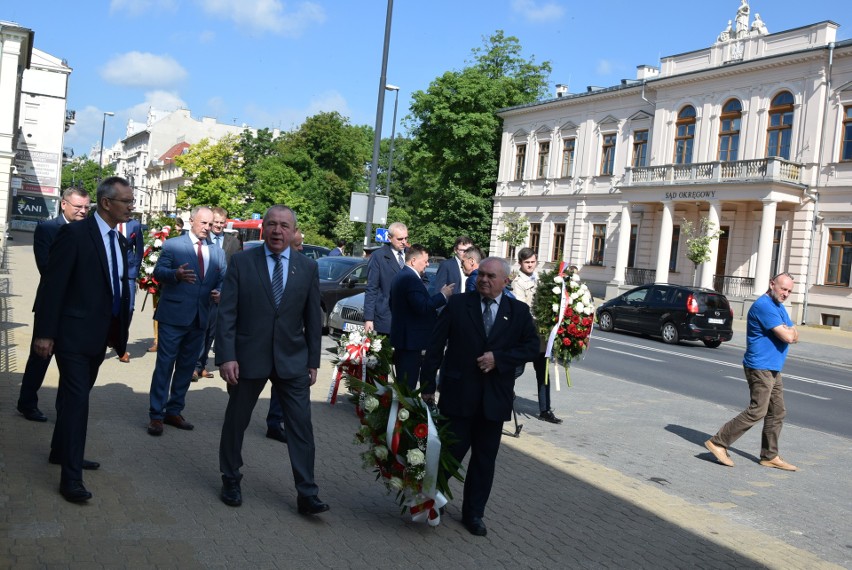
{"x":190,"y":271}
{"x":270,"y":327}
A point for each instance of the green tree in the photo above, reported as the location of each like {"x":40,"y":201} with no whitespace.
{"x":699,"y":241}
{"x":217,"y":175}
{"x":84,"y":173}
{"x":517,"y":229}
{"x":456,"y":139}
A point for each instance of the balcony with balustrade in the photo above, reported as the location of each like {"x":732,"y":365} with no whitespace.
{"x":772,"y":169}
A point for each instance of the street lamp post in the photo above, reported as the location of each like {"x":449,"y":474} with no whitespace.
{"x":101,"y":155}
{"x":395,"y":90}
{"x":377,"y":138}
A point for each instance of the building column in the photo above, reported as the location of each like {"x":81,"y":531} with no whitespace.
{"x":709,"y":267}
{"x":623,"y":250}
{"x":764,"y":247}
{"x":664,"y":249}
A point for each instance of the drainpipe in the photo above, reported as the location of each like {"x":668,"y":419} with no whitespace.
{"x":813,"y":193}
{"x":651,"y":103}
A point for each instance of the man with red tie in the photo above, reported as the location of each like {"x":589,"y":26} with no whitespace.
{"x":190,"y":272}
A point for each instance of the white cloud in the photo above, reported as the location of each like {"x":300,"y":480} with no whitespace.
{"x":604,"y":67}
{"x":534,"y":11}
{"x":207,"y":36}
{"x":137,"y":69}
{"x":139,"y":7}
{"x":266,"y":15}
{"x":160,"y":100}
{"x":289,"y":118}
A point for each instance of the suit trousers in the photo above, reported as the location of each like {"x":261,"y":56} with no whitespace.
{"x":77,"y":375}
{"x":208,"y":338}
{"x":482,"y":437}
{"x":177,"y":353}
{"x":767,"y":404}
{"x":31,"y":382}
{"x":294,"y":395}
{"x":407,"y":365}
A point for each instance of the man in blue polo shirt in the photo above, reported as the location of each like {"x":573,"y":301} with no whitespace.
{"x":770,"y":333}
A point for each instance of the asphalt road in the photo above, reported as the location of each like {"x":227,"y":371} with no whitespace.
{"x":818,"y":396}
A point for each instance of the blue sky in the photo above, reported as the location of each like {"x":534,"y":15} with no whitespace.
{"x":271,"y":63}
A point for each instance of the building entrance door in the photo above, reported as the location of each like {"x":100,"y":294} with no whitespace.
{"x":721,"y":259}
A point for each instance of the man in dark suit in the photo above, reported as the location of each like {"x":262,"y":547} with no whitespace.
{"x":413,"y":314}
{"x":338,"y":251}
{"x":229,"y":243}
{"x":83,"y":306}
{"x":487,"y":336}
{"x":74,"y":207}
{"x":270,"y":327}
{"x":190,"y":272}
{"x":383,"y":266}
{"x":450,"y":270}
{"x":132,"y":232}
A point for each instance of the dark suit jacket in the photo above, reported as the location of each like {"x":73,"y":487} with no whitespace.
{"x":448,"y":272}
{"x":44,"y":235}
{"x":135,"y":245}
{"x":413,"y":311}
{"x":464,"y":387}
{"x":230,"y":244}
{"x":74,"y":304}
{"x":181,"y":302}
{"x":381,"y":269}
{"x":258,"y":336}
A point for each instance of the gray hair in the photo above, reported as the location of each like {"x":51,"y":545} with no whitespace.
{"x":108,"y":187}
{"x":473,"y":253}
{"x":397,"y":227}
{"x":504,"y":265}
{"x":197,"y":209}
{"x":281,"y":207}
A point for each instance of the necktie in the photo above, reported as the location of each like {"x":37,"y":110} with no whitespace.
{"x":487,"y":317}
{"x":216,"y":240}
{"x":401,"y":259}
{"x":200,"y":262}
{"x":277,"y":279}
{"x":116,"y":282}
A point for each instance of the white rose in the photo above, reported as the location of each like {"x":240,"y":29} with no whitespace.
{"x":402,"y":415}
{"x":575,"y":277}
{"x":371,"y":403}
{"x":377,"y":345}
{"x":154,"y":257}
{"x":590,"y":309}
{"x":556,"y":290}
{"x":555,"y":308}
{"x":415,"y":457}
{"x":149,"y":270}
{"x":558,"y":279}
{"x":381,"y":452}
{"x":396,"y":483}
{"x":158,"y":243}
{"x":580,"y":308}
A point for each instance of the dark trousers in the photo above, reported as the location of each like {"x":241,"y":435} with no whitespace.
{"x":767,"y":404}
{"x":540,"y":367}
{"x":208,"y":338}
{"x":275,"y":416}
{"x":407,"y":366}
{"x":294,"y":395}
{"x":177,"y":353}
{"x":482,"y":437}
{"x":77,"y":375}
{"x":31,"y":382}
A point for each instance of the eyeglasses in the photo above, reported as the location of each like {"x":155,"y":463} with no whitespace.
{"x":130,"y":202}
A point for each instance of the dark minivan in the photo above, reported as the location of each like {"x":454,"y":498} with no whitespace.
{"x":674,"y":312}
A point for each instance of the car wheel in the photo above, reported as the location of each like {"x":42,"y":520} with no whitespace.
{"x":670,"y":335}
{"x":605,"y":321}
{"x":712,"y":343}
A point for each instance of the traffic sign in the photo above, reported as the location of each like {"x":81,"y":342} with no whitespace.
{"x":255,"y":216}
{"x":382,"y":235}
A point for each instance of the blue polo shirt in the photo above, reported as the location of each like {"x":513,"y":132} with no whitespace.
{"x":764,"y":350}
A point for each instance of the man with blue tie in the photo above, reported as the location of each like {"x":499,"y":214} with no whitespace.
{"x":230,"y":244}
{"x":190,"y":272}
{"x":132,"y":232}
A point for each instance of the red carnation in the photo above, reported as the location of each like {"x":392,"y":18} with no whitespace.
{"x":566,"y":341}
{"x":421,"y":430}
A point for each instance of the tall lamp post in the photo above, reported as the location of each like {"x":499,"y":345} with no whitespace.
{"x":395,"y":90}
{"x":101,"y":156}
{"x":377,"y":137}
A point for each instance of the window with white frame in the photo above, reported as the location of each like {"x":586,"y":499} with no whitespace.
{"x":684,"y":135}
{"x":535,"y":236}
{"x":608,"y":154}
{"x":640,"y":148}
{"x":543,"y":159}
{"x":568,"y":147}
{"x":729,"y":131}
{"x":846,"y":148}
{"x":839,"y":256}
{"x":780,"y":130}
{"x":520,"y":161}
{"x":558,"y":242}
{"x":598,"y":244}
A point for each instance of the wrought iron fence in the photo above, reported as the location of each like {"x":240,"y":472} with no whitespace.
{"x":731,"y":286}
{"x":638,"y":276}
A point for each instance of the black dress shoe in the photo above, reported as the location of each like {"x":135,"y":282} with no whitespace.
{"x":548,"y":416}
{"x":88,"y":465}
{"x":74,"y":492}
{"x":311,"y":505}
{"x":33,"y":414}
{"x":231,"y":494}
{"x":277,"y":434}
{"x":475,"y":526}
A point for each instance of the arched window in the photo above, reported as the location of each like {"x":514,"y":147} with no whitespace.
{"x":685,"y":135}
{"x":729,"y":131}
{"x":780,"y":130}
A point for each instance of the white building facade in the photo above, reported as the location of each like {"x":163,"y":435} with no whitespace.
{"x":753,"y":134}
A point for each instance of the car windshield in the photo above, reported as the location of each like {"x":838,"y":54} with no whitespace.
{"x":334,"y":268}
{"x":710,"y":301}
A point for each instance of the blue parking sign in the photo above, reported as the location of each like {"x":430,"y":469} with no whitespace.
{"x":382,"y":235}
{"x":255,"y":216}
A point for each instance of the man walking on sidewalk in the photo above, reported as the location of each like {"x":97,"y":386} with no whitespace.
{"x":770,"y":333}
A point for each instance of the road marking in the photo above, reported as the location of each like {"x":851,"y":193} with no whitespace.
{"x":630,"y":354}
{"x":599,"y":339}
{"x":785,"y":389}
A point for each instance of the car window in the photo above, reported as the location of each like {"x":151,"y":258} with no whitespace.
{"x":360,"y":274}
{"x":658,"y":295}
{"x":678,"y":298}
{"x":710,"y":301}
{"x":636,"y":296}
{"x":330,"y":270}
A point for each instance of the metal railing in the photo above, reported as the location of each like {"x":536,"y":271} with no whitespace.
{"x":638,"y":276}
{"x":732,"y":286}
{"x":758,"y":170}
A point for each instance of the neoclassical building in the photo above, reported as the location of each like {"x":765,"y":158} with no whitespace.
{"x":753,"y":134}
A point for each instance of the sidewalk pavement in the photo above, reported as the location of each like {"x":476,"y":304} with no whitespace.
{"x":557,"y":502}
